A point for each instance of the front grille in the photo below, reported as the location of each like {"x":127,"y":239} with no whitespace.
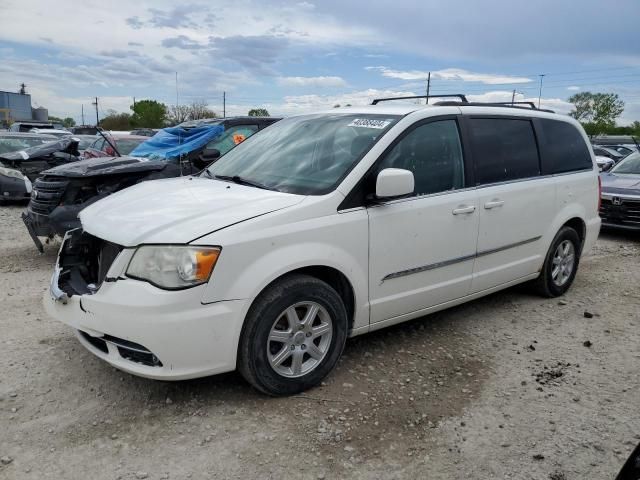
{"x":85,"y":261}
{"x":625,"y":214}
{"x":47,"y":194}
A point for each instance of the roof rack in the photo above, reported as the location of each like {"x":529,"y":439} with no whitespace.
{"x":520,"y":105}
{"x":462,"y":100}
{"x":413,"y":97}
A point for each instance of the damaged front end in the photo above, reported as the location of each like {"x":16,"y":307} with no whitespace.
{"x":82,"y":268}
{"x":83,"y":265}
{"x":59,"y":195}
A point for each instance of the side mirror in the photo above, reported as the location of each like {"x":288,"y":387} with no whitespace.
{"x":394,"y":182}
{"x":207,"y":156}
{"x":210,"y":154}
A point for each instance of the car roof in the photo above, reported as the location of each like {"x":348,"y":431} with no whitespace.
{"x":52,"y":130}
{"x":389,"y":108}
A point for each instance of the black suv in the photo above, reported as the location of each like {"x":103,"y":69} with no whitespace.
{"x":62,"y":192}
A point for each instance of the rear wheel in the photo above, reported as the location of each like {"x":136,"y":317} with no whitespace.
{"x":293,"y":336}
{"x":561,"y":264}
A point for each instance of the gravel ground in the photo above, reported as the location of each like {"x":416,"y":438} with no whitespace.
{"x":509,"y":386}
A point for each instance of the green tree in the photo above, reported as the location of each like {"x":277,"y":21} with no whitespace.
{"x":258,"y":112}
{"x":597,"y":111}
{"x":53,"y":119}
{"x":148,"y":114}
{"x":116,"y":121}
{"x":69,"y":122}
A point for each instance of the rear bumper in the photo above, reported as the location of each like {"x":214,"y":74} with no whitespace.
{"x":591,"y":234}
{"x":633,"y":228}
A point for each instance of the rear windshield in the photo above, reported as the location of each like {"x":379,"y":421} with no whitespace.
{"x":306,"y":155}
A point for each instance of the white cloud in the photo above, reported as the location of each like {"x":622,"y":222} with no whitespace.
{"x":321,"y":82}
{"x":308,"y":103}
{"x":451,"y":74}
{"x":573,"y":88}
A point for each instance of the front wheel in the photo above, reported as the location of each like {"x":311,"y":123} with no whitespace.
{"x":561,"y":264}
{"x":293,"y":336}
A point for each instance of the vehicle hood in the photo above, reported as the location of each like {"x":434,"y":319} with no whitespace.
{"x":66,"y":145}
{"x":94,"y":167}
{"x":177,"y":210}
{"x":622,"y":184}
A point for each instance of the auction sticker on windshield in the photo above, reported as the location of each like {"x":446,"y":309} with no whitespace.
{"x":369,"y":123}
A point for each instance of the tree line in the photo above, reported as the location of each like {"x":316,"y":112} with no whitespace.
{"x":154,"y":114}
{"x":598,"y":113}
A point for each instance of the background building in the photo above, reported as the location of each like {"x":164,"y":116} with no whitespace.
{"x":15,"y":107}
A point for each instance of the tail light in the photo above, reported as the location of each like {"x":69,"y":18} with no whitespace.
{"x":599,"y":192}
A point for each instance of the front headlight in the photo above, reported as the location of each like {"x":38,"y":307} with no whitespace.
{"x":10,"y":172}
{"x":173,"y":267}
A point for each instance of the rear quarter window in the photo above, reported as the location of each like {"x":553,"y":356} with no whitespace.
{"x":564,"y":147}
{"x":503,"y":149}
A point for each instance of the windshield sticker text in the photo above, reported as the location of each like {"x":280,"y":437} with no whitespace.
{"x":369,"y":123}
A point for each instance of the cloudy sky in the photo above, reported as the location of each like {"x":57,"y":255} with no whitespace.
{"x":292,"y":57}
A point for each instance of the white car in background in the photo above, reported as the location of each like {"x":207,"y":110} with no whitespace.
{"x":322,"y":227}
{"x":51,"y":131}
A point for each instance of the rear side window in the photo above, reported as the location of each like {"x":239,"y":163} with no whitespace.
{"x":503,"y":149}
{"x":565,"y":149}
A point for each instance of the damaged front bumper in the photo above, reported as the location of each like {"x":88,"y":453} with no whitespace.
{"x":139,"y":328}
{"x":58,"y":222}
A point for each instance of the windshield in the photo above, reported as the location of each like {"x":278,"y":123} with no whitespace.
{"x":630,"y":165}
{"x":126,"y":146}
{"x":305,"y":155}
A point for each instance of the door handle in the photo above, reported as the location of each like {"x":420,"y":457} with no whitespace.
{"x":464,"y":209}
{"x":493,"y":204}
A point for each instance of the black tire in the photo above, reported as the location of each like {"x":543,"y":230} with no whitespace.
{"x":545,"y":284}
{"x":253,"y":358}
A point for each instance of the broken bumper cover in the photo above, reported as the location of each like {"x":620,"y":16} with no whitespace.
{"x":149,"y":332}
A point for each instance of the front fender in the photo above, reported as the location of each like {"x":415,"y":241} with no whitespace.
{"x":338,"y":241}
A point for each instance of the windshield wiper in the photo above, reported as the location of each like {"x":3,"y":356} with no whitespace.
{"x":243,"y":181}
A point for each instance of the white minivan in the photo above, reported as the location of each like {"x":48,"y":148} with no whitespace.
{"x":322,"y":227}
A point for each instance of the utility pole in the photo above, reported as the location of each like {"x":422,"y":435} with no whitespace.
{"x":542,"y":75}
{"x":513,"y":97}
{"x":224,"y":104}
{"x":82,"y":113}
{"x":96,"y":105}
{"x":428,"y":87}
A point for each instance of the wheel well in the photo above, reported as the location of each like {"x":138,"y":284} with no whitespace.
{"x":578,"y":225}
{"x":336,"y":280}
